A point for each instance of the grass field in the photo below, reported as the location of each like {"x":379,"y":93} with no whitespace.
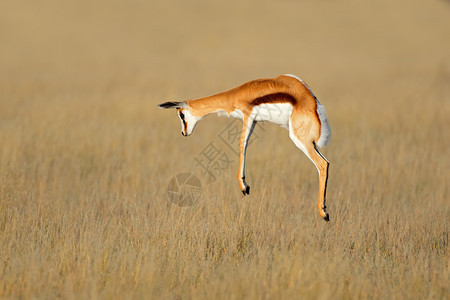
{"x":86,"y":157}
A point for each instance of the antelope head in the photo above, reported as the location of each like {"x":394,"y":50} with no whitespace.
{"x":188,"y":121}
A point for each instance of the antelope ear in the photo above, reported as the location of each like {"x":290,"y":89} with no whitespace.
{"x":169,"y":104}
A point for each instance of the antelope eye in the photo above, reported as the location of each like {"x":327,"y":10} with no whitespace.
{"x":182,"y":115}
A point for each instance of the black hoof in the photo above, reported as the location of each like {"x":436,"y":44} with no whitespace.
{"x":327,"y":217}
{"x":246,"y":191}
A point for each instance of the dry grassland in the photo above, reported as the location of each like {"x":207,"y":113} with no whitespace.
{"x":86,"y":157}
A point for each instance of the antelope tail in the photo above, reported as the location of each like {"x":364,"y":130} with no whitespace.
{"x":325,"y":131}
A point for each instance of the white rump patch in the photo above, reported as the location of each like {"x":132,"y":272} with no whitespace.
{"x":325,"y":130}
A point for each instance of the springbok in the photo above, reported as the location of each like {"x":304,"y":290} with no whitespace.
{"x":298,"y":110}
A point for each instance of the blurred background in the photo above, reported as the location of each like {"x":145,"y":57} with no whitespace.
{"x":204,"y":46}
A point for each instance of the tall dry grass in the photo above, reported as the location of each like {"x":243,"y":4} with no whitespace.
{"x":85,"y":156}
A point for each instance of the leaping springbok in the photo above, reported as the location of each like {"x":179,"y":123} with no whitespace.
{"x":296,"y":107}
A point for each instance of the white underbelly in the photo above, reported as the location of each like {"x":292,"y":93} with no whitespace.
{"x":234,"y":114}
{"x":278,"y":113}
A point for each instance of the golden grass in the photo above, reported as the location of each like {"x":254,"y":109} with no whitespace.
{"x":86,"y":157}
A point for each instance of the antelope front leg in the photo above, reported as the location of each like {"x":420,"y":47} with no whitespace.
{"x":249,"y":125}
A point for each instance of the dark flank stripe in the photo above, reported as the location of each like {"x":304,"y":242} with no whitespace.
{"x":274,"y":98}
